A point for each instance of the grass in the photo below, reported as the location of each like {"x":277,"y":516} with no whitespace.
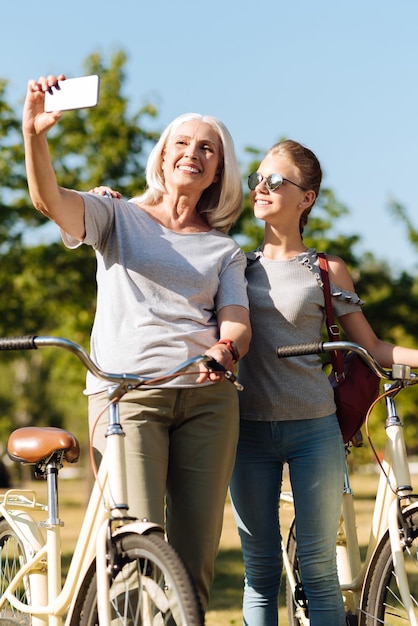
{"x":226,"y":597}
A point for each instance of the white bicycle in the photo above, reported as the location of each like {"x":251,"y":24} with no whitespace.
{"x":383,"y":589}
{"x":122,"y":571}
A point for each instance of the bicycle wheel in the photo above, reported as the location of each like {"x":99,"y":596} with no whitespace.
{"x":296,"y":602}
{"x":150,"y":586}
{"x":12,"y":557}
{"x":383,"y":602}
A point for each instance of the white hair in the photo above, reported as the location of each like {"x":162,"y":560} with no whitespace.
{"x":221,"y":203}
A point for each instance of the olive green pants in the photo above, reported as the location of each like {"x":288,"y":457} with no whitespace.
{"x":180,"y":450}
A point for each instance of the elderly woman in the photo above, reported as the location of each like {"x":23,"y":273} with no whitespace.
{"x":170,"y":285}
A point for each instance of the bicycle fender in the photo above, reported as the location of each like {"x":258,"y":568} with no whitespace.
{"x":27,"y":529}
{"x":142,"y":528}
{"x":410,"y":507}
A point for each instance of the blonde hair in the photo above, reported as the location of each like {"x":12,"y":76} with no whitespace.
{"x":221,"y":203}
{"x":308,"y":166}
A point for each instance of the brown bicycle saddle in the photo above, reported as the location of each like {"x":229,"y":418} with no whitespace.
{"x":33,"y":444}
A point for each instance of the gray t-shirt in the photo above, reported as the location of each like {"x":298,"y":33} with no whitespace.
{"x":158,"y":291}
{"x":287,"y":307}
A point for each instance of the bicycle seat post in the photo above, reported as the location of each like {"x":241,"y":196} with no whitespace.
{"x":51,"y":472}
{"x":52,"y":525}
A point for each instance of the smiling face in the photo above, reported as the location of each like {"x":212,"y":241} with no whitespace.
{"x":192,"y":157}
{"x":284,"y":204}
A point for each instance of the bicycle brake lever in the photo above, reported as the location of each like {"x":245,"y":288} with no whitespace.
{"x":214,"y":366}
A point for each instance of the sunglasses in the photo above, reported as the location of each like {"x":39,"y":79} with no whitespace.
{"x":273,"y":182}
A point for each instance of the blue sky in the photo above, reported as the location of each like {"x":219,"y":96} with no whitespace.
{"x":341,"y":77}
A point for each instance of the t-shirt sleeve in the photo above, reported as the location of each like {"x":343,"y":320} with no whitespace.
{"x":233,"y":283}
{"x":344,"y":302}
{"x":98,"y":219}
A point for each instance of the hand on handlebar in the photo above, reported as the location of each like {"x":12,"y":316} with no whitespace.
{"x":221,"y":362}
{"x":215,"y":372}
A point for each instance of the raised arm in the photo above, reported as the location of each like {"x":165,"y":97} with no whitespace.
{"x":63,"y":206}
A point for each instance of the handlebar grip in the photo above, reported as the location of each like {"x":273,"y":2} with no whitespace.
{"x":300,"y":349}
{"x":18,"y":343}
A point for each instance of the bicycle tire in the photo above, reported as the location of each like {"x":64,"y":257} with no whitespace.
{"x":383,"y":603}
{"x":150,"y":586}
{"x":12,"y":557}
{"x":291,"y":600}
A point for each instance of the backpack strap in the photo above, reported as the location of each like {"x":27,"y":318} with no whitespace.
{"x":332,"y":328}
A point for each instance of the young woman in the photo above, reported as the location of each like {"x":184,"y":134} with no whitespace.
{"x":171,"y":285}
{"x":287,"y":407}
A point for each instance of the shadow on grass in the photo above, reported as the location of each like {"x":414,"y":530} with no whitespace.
{"x":228,"y":584}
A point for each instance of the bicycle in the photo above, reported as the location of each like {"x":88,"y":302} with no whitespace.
{"x":122,"y":571}
{"x":383,"y":589}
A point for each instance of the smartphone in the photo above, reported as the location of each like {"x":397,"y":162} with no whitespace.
{"x":73,"y":93}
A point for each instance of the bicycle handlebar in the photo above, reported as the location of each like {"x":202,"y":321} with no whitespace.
{"x":17,"y":343}
{"x":34,"y":342}
{"x":398,"y":371}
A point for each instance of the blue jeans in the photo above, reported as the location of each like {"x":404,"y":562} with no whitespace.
{"x":314,"y":451}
